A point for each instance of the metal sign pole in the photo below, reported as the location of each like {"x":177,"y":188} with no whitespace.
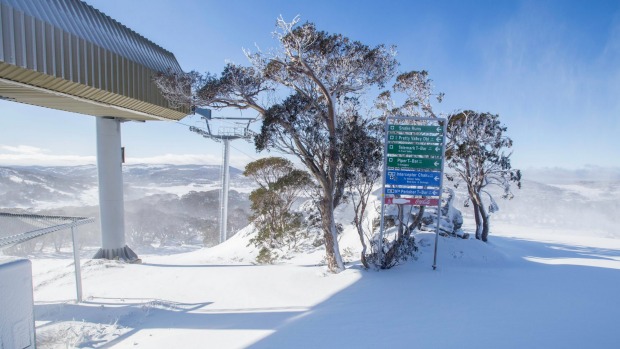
{"x":443,"y":152}
{"x":385,"y":145}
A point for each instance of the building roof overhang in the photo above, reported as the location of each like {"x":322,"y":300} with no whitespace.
{"x":66,"y":55}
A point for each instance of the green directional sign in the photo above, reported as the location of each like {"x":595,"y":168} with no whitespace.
{"x":415,"y":139}
{"x":414,"y":149}
{"x":417,"y":163}
{"x":415,"y":128}
{"x":413,"y":170}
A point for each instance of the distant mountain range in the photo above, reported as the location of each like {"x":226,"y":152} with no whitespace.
{"x":164,"y":204}
{"x":167,"y":204}
{"x":35,"y":187}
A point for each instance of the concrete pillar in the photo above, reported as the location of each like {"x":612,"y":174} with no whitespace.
{"x":111,"y":204}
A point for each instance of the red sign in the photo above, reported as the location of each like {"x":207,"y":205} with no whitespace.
{"x":412,"y":201}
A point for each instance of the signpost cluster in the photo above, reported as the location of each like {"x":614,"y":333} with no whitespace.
{"x":413,"y":165}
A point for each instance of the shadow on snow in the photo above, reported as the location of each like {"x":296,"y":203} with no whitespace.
{"x":520,"y":304}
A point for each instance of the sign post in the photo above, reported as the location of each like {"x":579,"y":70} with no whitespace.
{"x":413,"y":164}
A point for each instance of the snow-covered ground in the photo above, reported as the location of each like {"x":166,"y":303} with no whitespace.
{"x":527,"y":288}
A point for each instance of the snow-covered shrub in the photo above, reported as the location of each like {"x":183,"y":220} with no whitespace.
{"x":394,"y":252}
{"x":266,"y":256}
{"x":451,"y":219}
{"x":399,"y":244}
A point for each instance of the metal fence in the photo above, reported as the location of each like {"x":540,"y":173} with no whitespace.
{"x":17,"y":228}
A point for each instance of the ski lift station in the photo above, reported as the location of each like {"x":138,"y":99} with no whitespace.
{"x":66,"y":55}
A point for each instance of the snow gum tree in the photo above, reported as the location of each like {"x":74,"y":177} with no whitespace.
{"x":477,"y":151}
{"x":280,"y":185}
{"x":312,"y":74}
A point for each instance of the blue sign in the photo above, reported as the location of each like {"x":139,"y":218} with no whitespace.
{"x":413,"y":178}
{"x":414,"y":192}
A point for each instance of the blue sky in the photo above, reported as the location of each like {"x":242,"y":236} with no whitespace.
{"x":550,"y":69}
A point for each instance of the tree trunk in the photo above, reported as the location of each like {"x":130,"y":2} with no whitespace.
{"x":400,"y":222}
{"x":416,"y":221}
{"x":363,"y":256}
{"x":360,"y":232}
{"x":478,"y":219}
{"x":485,"y":224}
{"x":330,"y":234}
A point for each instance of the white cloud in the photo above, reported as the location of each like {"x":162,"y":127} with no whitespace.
{"x":45,"y":160}
{"x":175,"y":159}
{"x":23,"y":149}
{"x":189,"y":159}
{"x":26,"y":155}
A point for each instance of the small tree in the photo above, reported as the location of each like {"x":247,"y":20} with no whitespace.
{"x":477,"y":151}
{"x":363,"y":153}
{"x":280,"y":184}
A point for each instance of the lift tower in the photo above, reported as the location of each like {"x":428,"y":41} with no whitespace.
{"x":225,"y":135}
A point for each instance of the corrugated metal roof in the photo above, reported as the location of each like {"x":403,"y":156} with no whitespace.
{"x":84,"y":21}
{"x":75,"y":52}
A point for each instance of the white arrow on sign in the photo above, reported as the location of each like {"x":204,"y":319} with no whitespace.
{"x":438,"y":139}
{"x":399,"y":201}
{"x":437,"y":149}
{"x":436,"y":163}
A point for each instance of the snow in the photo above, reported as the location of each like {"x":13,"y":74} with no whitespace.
{"x":534,"y":289}
{"x":90,"y":197}
{"x":15,"y":179}
{"x":181,"y":190}
{"x":592,"y":190}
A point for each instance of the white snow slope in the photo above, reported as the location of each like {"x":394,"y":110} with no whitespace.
{"x":518,"y":291}
{"x":526,"y":288}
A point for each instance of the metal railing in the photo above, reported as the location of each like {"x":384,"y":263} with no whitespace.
{"x":43,"y":225}
{"x":16,"y":228}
